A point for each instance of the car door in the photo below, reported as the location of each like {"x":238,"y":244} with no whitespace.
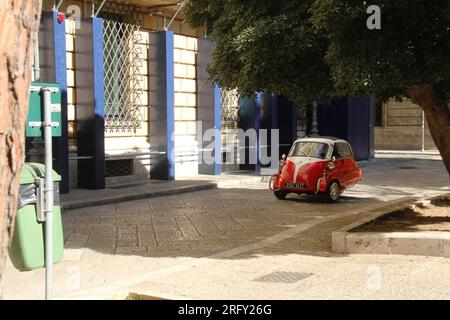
{"x":338,"y":162}
{"x":351,"y":174}
{"x":345,"y":159}
{"x":353,"y":170}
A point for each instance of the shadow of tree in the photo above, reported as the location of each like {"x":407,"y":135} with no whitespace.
{"x":214,"y":221}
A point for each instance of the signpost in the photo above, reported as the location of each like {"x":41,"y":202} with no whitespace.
{"x":44,"y":118}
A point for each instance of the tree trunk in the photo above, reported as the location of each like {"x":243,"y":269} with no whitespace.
{"x":437,"y":113}
{"x":19,"y":21}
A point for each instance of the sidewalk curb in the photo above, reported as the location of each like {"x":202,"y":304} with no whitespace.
{"x":77,"y":204}
{"x":423,"y":243}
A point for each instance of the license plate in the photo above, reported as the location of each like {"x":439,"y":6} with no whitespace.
{"x":295,"y":185}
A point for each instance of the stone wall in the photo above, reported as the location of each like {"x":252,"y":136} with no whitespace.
{"x":401,"y":128}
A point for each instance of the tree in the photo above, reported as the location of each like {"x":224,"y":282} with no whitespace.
{"x":18,"y":26}
{"x":323,"y":48}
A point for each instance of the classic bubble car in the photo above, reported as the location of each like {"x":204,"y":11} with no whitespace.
{"x":322,"y":165}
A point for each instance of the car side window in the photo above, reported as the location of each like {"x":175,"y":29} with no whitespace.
{"x":336,"y":152}
{"x":344,"y":150}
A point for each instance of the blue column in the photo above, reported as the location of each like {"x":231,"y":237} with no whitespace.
{"x":266,"y":119}
{"x":274,"y":145}
{"x":258,"y":104}
{"x":359,"y":126}
{"x":162,"y":104}
{"x":286,"y":122}
{"x":208,"y":104}
{"x":52,"y":56}
{"x":218,"y":130}
{"x":274,"y":104}
{"x":249,"y":120}
{"x":90,"y":104}
{"x":61,"y":144}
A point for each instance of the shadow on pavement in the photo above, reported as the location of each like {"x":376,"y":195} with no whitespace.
{"x":215,"y":221}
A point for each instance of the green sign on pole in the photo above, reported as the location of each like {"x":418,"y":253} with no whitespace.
{"x":36,"y":113}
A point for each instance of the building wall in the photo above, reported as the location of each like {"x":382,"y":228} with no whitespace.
{"x":401,"y":128}
{"x":134,"y":145}
{"x":185,"y":70}
{"x":71,"y":101}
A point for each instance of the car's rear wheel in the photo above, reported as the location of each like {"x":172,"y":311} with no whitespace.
{"x":334,"y":190}
{"x":280,"y":194}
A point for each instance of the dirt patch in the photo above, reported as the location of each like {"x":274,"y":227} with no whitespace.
{"x":431,"y":215}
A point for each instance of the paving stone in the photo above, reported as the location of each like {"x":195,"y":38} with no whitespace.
{"x":173,"y":232}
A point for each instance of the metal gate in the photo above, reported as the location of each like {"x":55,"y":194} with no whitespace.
{"x":123,"y":82}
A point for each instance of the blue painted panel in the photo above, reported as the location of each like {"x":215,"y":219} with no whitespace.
{"x":217,"y":127}
{"x":286,"y":123}
{"x":90,"y":104}
{"x":61,"y":144}
{"x":98,"y":73}
{"x":258,"y":103}
{"x":170,"y":96}
{"x":161,"y":99}
{"x":99,"y":102}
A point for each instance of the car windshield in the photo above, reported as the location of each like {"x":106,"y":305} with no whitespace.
{"x":309,"y":149}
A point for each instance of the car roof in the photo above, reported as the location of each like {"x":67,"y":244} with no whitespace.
{"x":321,"y":139}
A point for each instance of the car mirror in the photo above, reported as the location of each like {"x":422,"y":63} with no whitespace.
{"x":283,"y":157}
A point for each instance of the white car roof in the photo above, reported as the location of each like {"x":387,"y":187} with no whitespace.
{"x":328,"y":140}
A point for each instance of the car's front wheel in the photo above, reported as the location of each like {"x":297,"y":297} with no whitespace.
{"x":334,"y":190}
{"x":280,"y":194}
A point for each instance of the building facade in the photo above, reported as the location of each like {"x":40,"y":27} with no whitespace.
{"x":137,"y":99}
{"x":400,"y":125}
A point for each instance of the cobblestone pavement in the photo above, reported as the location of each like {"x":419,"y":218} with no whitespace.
{"x":241,"y":242}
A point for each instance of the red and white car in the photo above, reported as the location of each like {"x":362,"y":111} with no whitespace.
{"x":322,"y":165}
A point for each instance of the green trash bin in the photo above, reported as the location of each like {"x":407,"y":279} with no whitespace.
{"x":27,"y":250}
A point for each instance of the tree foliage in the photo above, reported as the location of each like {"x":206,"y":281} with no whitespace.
{"x":411,"y":48}
{"x":264,"y":44}
{"x":313,"y":49}
{"x":322,"y":48}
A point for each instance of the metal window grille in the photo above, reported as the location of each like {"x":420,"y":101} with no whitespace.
{"x":229,"y":100}
{"x":123,"y":82}
{"x":119,"y":168}
{"x":229,"y":109}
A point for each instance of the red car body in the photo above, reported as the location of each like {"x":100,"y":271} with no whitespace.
{"x":329,"y":169}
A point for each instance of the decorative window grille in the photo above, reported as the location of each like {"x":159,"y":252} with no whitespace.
{"x":229,"y":109}
{"x":230,"y":124}
{"x":123,"y":82}
{"x":119,"y":168}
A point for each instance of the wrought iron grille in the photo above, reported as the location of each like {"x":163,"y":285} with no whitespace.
{"x":230,"y":123}
{"x":229,"y":109}
{"x":119,"y":168}
{"x":123,"y":82}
